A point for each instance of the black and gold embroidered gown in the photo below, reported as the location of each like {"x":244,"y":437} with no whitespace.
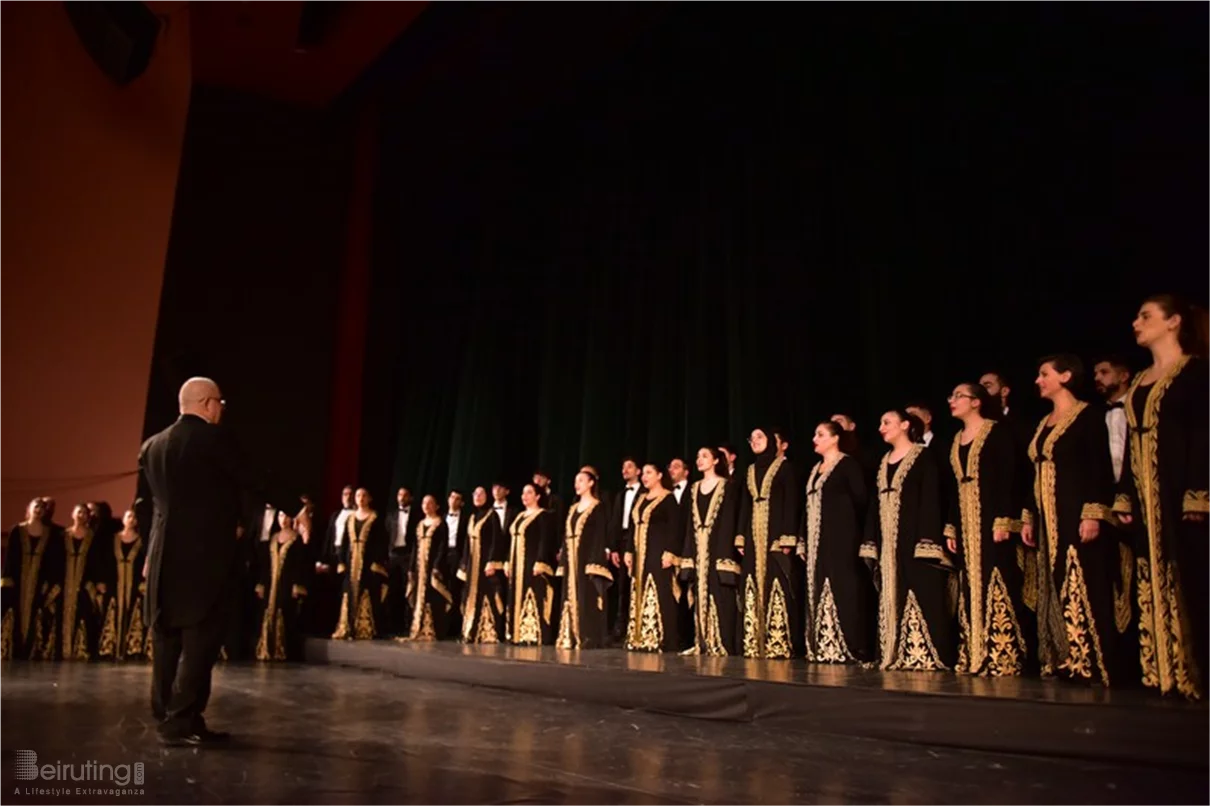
{"x":1163,"y":479}
{"x":361,"y":561}
{"x":1073,"y":481}
{"x":124,"y":633}
{"x":917,"y":628}
{"x":281,"y":591}
{"x":78,"y":620}
{"x":533,"y":545}
{"x":485,"y":613}
{"x":770,"y":619}
{"x":586,"y":580}
{"x":710,"y":567}
{"x":429,"y":598}
{"x":32,"y":586}
{"x":840,"y":595}
{"x":991,"y":595}
{"x":655,"y":590}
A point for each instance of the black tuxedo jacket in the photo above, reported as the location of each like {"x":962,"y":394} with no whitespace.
{"x":414,"y":517}
{"x":192,"y":480}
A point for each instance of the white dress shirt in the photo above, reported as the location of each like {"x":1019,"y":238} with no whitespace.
{"x":401,"y":527}
{"x":342,"y":521}
{"x":499,"y":508}
{"x":451,"y":522}
{"x":1115,"y":421}
{"x":679,"y":490}
{"x":631,"y":491}
{"x":266,"y":524}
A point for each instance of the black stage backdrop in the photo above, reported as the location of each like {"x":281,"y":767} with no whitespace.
{"x":258,"y":234}
{"x":767,"y":214}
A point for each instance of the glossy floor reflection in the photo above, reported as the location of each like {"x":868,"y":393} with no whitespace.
{"x":308,"y":734}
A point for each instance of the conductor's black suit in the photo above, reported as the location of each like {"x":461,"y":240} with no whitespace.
{"x":191,"y":479}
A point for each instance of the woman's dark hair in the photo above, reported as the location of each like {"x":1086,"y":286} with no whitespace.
{"x":1194,"y":333}
{"x":538,"y":491}
{"x":989,"y":407}
{"x":834,"y":428}
{"x":715,"y":453}
{"x":915,"y":430}
{"x":1066,"y":362}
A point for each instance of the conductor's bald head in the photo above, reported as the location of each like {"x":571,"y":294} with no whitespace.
{"x":201,"y":397}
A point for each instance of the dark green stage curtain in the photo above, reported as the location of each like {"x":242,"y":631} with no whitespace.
{"x":735,"y":221}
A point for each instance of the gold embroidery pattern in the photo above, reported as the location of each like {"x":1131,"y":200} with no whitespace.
{"x":126,"y":577}
{"x":829,"y":645}
{"x":363,"y":627}
{"x":640,"y":518}
{"x":1151,"y":675}
{"x":569,"y":623}
{"x":72,"y":648}
{"x":1121,"y":504}
{"x":970,"y":507}
{"x":702,"y":527}
{"x":651,"y":622}
{"x":1079,"y":622}
{"x":1195,"y":501}
{"x":818,"y":478}
{"x":915,"y":651}
{"x":751,"y":646}
{"x":107,"y":646}
{"x":1165,"y":657}
{"x":474,"y":534}
{"x":487,"y":625}
{"x":1045,"y":477}
{"x":273,"y":621}
{"x":136,"y":638}
{"x":523,"y":596}
{"x":6,"y":636}
{"x":760,"y":548}
{"x":714,"y":638}
{"x":889,"y":501}
{"x":964,"y":629}
{"x":31,"y":563}
{"x":422,"y":611}
{"x":1006,"y":642}
{"x":1121,"y":595}
{"x":777,"y":632}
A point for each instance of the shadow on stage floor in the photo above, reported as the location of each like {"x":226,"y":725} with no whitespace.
{"x":1004,"y":715}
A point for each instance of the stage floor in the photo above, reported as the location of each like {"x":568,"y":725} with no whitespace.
{"x":1014,"y":715}
{"x":313,"y":734}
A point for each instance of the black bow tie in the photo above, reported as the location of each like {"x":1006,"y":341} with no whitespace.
{"x":498,"y":509}
{"x":1118,"y":405}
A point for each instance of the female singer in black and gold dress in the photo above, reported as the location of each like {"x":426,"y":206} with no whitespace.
{"x":710,"y":561}
{"x":361,"y":560}
{"x":1077,"y":564}
{"x":1164,"y":497}
{"x":79,"y":614}
{"x":917,"y":630}
{"x":768,"y":534}
{"x":429,"y":598}
{"x":840,"y":595}
{"x":482,"y":573}
{"x":654,"y":562}
{"x":280,"y":592}
{"x":991,"y":594}
{"x":586,"y":580}
{"x":32,"y":582}
{"x":530,"y":570}
{"x":124,"y":634}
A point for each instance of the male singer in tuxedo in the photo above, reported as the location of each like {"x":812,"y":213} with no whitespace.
{"x":620,"y":535}
{"x":401,"y":536}
{"x":191,"y":483}
{"x":457,"y":524}
{"x":678,"y":474}
{"x":325,"y":595}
